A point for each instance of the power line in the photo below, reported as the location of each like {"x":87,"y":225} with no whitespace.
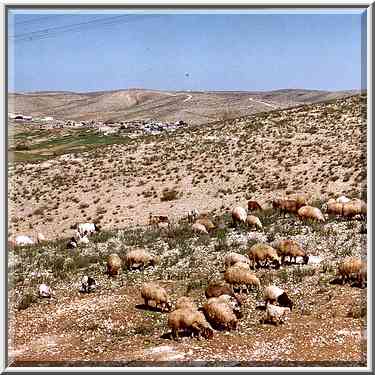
{"x":30,"y":37}
{"x":62,"y":28}
{"x":37,"y":19}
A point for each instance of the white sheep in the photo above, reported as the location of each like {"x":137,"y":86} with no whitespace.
{"x":275,"y":314}
{"x":24,"y":240}
{"x":44,"y":291}
{"x":87,"y":228}
{"x":273,"y":294}
{"x":239,"y":215}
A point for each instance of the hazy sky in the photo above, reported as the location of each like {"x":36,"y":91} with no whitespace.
{"x":90,"y":51}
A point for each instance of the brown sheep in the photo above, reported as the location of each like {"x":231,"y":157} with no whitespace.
{"x":289,"y":205}
{"x":261,"y":252}
{"x":350,"y":267}
{"x":254,"y":206}
{"x":291,"y":249}
{"x":155,"y":220}
{"x":154,"y":292}
{"x":220,"y":315}
{"x":353,"y":208}
{"x":208,"y":224}
{"x":199,"y":228}
{"x":189,"y":320}
{"x":310,"y":213}
{"x":140,"y":258}
{"x":219,"y":289}
{"x":335,"y":208}
{"x":231,"y":258}
{"x":239,"y":278}
{"x":114,"y":265}
{"x":253,"y":221}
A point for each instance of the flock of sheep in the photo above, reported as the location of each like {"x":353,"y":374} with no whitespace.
{"x":222,"y":310}
{"x":224,"y":299}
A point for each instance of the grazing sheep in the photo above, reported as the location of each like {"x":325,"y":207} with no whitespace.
{"x":312,"y":213}
{"x":220,"y":315}
{"x":354,"y":207}
{"x":239,"y":215}
{"x":217,"y":290}
{"x":199,"y":228}
{"x":155,"y":220}
{"x":88,"y":284}
{"x":44,"y":291}
{"x":208,"y":224}
{"x":349,"y":268}
{"x":189,"y":320}
{"x":186,"y":303}
{"x":24,"y":240}
{"x":72,"y":244}
{"x":289,"y":205}
{"x":242,"y":265}
{"x":334,"y":208}
{"x":239,"y":278}
{"x":154,"y":292}
{"x":231,"y":258}
{"x":231,"y":301}
{"x":342,"y":199}
{"x":88,"y":228}
{"x":273,"y":294}
{"x":192,"y":215}
{"x":114,"y":265}
{"x":140,"y":258}
{"x":262,"y":252}
{"x":275,"y":314}
{"x":253,"y":221}
{"x":291,"y":249}
{"x":254,"y":206}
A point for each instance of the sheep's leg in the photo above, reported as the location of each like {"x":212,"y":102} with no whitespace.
{"x":146,"y":302}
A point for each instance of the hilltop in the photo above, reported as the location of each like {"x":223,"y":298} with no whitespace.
{"x":193,"y":107}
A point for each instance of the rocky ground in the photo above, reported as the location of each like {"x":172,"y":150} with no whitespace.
{"x":318,"y":149}
{"x":327,"y":326}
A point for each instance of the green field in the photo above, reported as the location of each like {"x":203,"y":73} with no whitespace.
{"x":38,"y":145}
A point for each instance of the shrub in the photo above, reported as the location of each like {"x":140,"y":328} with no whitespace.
{"x":169,"y":195}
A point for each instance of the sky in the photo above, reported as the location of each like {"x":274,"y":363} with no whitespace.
{"x":240,"y":51}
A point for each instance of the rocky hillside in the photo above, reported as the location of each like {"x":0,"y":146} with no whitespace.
{"x":318,"y":149}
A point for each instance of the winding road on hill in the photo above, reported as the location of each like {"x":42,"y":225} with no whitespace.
{"x":258,"y":101}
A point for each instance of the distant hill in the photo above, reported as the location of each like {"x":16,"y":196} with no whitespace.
{"x":196,"y":107}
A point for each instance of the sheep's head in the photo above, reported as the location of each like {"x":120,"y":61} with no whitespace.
{"x":276,"y":262}
{"x":285,"y":301}
{"x":207,"y":332}
{"x":168,"y":305}
{"x":305,"y":259}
